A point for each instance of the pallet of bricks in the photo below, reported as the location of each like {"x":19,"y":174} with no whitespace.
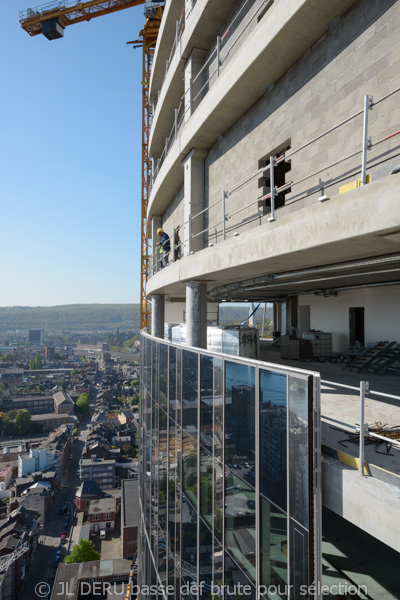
{"x":296,"y":349}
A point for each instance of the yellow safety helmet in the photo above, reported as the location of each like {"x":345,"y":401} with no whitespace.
{"x":160,"y":230}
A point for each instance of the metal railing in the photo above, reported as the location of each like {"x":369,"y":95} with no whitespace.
{"x":37,"y":10}
{"x":218,"y":55}
{"x":224,"y":201}
{"x":363,"y":429}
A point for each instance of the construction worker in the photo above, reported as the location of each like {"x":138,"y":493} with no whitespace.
{"x":165,"y":246}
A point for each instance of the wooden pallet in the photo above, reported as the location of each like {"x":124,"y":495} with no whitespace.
{"x":387,"y":360}
{"x":368,"y":357}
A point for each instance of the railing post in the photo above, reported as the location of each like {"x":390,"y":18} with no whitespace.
{"x":173,"y":242}
{"x":190,"y":97}
{"x":176,"y":34}
{"x":190,"y":234}
{"x":176,"y":122}
{"x":223,"y":214}
{"x":364,"y":387}
{"x":218,"y":51}
{"x":368,"y":104}
{"x":272,"y":186}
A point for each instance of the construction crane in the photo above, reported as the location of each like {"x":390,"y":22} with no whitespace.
{"x":8,"y":559}
{"x":51,"y":19}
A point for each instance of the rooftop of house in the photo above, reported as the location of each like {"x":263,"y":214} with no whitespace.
{"x":87,"y":462}
{"x":91,"y":571}
{"x":89,"y":489}
{"x":62,"y":398}
{"x":103,"y":505}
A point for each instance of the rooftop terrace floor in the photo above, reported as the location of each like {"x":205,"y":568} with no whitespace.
{"x":340,"y":408}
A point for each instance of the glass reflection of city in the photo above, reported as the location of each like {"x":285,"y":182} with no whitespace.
{"x":227,"y":477}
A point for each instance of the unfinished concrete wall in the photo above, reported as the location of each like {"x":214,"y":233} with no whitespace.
{"x":331,"y":314}
{"x":358,"y":55}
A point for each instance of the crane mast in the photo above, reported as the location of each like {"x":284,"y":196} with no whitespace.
{"x":51,"y":19}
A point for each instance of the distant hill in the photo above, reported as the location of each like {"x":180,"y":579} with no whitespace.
{"x":229,"y":315}
{"x":72,"y":317}
{"x":99,"y":317}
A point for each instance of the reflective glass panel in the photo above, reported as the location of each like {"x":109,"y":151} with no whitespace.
{"x":273,"y":431}
{"x":218,"y":408}
{"x":205,"y":560}
{"x":206,"y":485}
{"x":163,"y":391}
{"x":189,"y":547}
{"x":189,"y":392}
{"x":189,"y":468}
{"x":273,"y":543}
{"x":218,"y":499}
{"x":236,"y":583}
{"x":172,"y":383}
{"x":206,"y":402}
{"x":298,"y":449}
{"x":240,"y":419}
{"x":240,"y":523}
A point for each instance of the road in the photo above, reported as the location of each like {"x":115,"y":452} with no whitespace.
{"x":41,"y":569}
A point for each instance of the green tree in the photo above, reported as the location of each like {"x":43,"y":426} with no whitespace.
{"x":82,"y":552}
{"x":128,"y":449}
{"x":8,"y":357}
{"x":35,"y":363}
{"x":23,"y":421}
{"x":82,"y":404}
{"x":135,"y":399}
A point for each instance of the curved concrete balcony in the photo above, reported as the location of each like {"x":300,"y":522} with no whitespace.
{"x":282,"y":35}
{"x":321,"y":237}
{"x":201,"y":28}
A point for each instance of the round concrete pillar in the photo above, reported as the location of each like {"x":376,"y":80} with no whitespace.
{"x":196,"y":314}
{"x":157,"y":316}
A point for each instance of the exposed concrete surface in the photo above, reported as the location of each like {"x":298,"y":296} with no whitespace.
{"x":320,"y":234}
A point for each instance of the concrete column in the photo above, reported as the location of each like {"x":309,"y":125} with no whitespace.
{"x":193,"y":201}
{"x":192,"y":84}
{"x":157,"y":316}
{"x":196,"y":314}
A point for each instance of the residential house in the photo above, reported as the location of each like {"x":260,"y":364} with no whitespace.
{"x":100,"y":470}
{"x":19,"y":529}
{"x":63,"y":403}
{"x":101,"y":513}
{"x":125,"y":416}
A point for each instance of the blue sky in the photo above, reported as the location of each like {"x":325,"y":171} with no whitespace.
{"x":70,"y":161}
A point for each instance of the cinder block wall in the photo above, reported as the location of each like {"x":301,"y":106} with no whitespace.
{"x":359,"y":55}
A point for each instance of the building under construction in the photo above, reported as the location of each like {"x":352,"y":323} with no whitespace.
{"x":276,"y":174}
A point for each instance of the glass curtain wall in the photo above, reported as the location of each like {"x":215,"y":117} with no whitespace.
{"x":229,"y":460}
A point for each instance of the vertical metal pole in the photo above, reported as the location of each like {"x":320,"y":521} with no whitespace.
{"x":173,"y":246}
{"x":223,"y":214}
{"x":190,"y":234}
{"x":218,"y":51}
{"x":190,"y":96}
{"x":263,"y":321}
{"x":272,"y":184}
{"x":364,"y":386}
{"x":257,"y":481}
{"x":176,"y":122}
{"x":367,"y":106}
{"x":176,"y":34}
